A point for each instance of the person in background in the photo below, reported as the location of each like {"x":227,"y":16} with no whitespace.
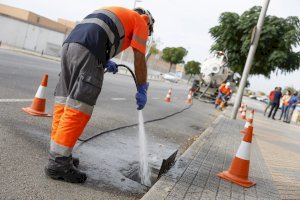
{"x":275,"y":104}
{"x":271,"y":98}
{"x":294,"y":100}
{"x":223,"y":95}
{"x":285,"y":103}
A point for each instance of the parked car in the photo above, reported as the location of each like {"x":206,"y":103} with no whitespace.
{"x":263,"y":99}
{"x":171,"y":77}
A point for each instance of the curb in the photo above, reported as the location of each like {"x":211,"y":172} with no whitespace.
{"x":31,"y":53}
{"x":164,"y":185}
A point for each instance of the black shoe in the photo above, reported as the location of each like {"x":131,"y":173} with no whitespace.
{"x":273,"y":118}
{"x":62,"y":168}
{"x":75,"y":162}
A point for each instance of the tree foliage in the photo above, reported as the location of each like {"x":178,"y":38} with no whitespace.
{"x":275,"y":48}
{"x":154,"y":47}
{"x":174,"y":55}
{"x":192,"y":68}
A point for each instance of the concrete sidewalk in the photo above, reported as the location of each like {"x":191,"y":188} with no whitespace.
{"x":194,"y":174}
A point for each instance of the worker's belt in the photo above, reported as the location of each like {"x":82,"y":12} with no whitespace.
{"x":115,"y":39}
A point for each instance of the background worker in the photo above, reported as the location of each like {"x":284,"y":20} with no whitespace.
{"x":271,"y":98}
{"x":285,"y":103}
{"x":294,"y":100}
{"x":223,"y":95}
{"x":275,"y":103}
{"x":86,"y":53}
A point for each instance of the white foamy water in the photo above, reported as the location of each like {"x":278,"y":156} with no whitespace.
{"x":144,"y":165}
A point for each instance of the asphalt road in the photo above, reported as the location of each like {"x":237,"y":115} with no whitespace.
{"x":24,"y":139}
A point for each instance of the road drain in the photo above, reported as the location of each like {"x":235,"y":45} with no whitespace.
{"x":135,"y":176}
{"x":133,"y":171}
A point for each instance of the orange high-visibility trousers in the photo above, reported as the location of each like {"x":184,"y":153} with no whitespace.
{"x":75,"y":96}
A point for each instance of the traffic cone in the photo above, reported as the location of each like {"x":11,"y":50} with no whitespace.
{"x":251,"y":116}
{"x":189,"y":99}
{"x":248,"y":128}
{"x":243,"y":115}
{"x":241,"y":108}
{"x":168,"y":97}
{"x":239,"y":169}
{"x":38,"y":104}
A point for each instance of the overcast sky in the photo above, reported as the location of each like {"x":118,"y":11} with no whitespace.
{"x":178,"y":23}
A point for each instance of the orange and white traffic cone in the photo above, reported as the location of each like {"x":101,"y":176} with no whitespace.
{"x":241,"y":108}
{"x":239,"y":169}
{"x":38,"y":105}
{"x":251,"y":116}
{"x":243,"y":114}
{"x":168,"y":97}
{"x":248,"y":128}
{"x":189,"y":99}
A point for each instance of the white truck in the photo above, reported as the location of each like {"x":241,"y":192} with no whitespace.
{"x":214,"y":71}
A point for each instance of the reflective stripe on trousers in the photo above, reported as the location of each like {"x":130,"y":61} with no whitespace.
{"x":76,"y":93}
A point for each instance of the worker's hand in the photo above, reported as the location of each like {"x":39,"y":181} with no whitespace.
{"x":141,"y":95}
{"x":111,"y":66}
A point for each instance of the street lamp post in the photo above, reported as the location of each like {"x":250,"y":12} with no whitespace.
{"x":249,"y":61}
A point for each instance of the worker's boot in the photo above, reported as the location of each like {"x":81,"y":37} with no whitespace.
{"x":62,"y":168}
{"x":75,"y":162}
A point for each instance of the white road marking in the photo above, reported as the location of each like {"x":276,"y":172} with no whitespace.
{"x":14,"y":100}
{"x":118,"y":99}
{"x":155,"y":98}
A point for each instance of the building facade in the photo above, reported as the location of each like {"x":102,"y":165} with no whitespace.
{"x":26,"y":30}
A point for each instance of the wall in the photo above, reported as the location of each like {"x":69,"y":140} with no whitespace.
{"x":27,"y":36}
{"x":35,"y":19}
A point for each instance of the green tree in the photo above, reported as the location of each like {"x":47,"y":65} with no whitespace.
{"x":192,"y":68}
{"x":174,"y":55}
{"x":275,"y":48}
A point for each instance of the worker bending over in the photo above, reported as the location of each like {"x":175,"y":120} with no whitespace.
{"x":86,"y":53}
{"x":223,"y":95}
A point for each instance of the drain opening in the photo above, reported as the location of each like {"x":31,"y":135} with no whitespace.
{"x":135,"y":176}
{"x":133,"y":172}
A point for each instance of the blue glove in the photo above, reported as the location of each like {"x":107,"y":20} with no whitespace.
{"x":111,"y":66}
{"x":141,"y":95}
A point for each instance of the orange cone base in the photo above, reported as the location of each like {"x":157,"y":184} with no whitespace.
{"x":229,"y":177}
{"x":30,"y":111}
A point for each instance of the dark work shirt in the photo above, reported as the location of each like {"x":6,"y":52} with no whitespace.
{"x":277,"y":97}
